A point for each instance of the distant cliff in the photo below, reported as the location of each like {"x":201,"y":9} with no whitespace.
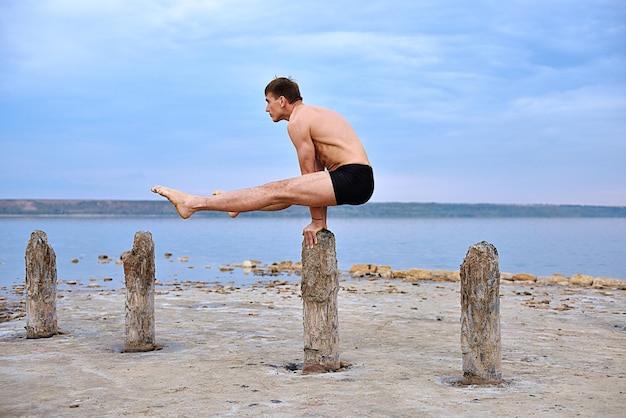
{"x":162,"y":208}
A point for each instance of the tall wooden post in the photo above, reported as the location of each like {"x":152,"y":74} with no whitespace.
{"x":480,"y":315}
{"x":41,"y":287}
{"x":320,"y":284}
{"x":139,"y":273}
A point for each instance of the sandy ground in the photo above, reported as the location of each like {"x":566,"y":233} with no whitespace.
{"x":231,"y":353}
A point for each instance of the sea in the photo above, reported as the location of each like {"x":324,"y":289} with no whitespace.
{"x":86,"y":248}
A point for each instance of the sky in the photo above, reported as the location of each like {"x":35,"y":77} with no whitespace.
{"x":519,"y":102}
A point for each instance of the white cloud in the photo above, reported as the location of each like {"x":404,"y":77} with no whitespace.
{"x":578,"y":102}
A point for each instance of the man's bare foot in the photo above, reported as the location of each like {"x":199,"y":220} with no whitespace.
{"x":177,"y":198}
{"x":231,"y":214}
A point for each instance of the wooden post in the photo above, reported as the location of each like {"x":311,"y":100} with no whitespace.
{"x":41,"y":287}
{"x":139,"y":273}
{"x":480,"y":315}
{"x":320,"y":284}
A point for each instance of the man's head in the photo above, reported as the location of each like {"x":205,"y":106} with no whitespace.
{"x":281,"y":94}
{"x":283,"y":86}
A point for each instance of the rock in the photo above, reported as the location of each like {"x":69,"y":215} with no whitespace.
{"x":554,"y":280}
{"x":445,"y":276}
{"x":273,"y":269}
{"x":581,"y":280}
{"x":385,"y":272}
{"x":285,"y":265}
{"x":400,"y":274}
{"x":608,"y":283}
{"x":414,"y":275}
{"x":248,"y":264}
{"x":506,"y":278}
{"x":361,"y":270}
{"x":524,"y":277}
{"x":313,"y":368}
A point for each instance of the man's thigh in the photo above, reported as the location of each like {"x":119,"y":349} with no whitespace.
{"x":314,"y":189}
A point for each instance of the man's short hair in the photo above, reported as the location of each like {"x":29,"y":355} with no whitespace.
{"x":283,"y":86}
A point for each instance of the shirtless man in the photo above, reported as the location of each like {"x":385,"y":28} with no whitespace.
{"x":324,"y":140}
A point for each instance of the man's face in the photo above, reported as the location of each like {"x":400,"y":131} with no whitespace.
{"x":275,"y":107}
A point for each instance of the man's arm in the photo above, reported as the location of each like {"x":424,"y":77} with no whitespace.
{"x":309,"y":163}
{"x":318,"y":214}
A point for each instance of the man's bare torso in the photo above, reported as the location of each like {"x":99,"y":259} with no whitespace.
{"x":336,"y":143}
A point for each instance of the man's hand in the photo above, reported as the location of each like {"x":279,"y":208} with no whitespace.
{"x":310,"y":232}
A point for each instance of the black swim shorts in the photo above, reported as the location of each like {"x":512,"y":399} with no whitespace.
{"x":353,"y":184}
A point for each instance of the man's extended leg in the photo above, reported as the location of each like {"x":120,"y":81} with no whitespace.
{"x":315,"y":189}
{"x":267,"y":209}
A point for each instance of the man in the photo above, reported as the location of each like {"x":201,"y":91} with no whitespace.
{"x":324,"y":140}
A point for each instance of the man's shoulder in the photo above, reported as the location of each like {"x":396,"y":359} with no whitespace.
{"x":310,"y":117}
{"x":316,"y":108}
{"x":308,"y":113}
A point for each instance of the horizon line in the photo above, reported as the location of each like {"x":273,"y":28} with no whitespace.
{"x":370,"y":202}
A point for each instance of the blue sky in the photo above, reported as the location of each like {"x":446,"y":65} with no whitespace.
{"x":455,"y":101}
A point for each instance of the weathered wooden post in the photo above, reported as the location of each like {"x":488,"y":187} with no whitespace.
{"x":139,"y":273}
{"x":320,"y":284}
{"x":480,"y":315}
{"x":41,"y":287}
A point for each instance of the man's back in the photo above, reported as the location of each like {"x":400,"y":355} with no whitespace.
{"x":335,"y":141}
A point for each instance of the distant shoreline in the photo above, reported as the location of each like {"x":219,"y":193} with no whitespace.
{"x":154,"y":208}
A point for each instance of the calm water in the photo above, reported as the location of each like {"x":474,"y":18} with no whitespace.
{"x":534,"y":245}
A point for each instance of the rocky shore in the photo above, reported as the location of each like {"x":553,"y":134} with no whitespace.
{"x":417,"y":274}
{"x":12,"y":303}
